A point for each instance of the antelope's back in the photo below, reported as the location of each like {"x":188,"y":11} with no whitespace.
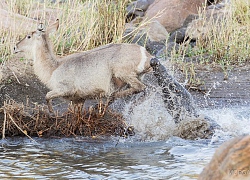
{"x":91,"y":71}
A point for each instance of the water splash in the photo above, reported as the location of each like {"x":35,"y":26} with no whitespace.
{"x":154,"y":115}
{"x":234,"y":121}
{"x":152,"y":122}
{"x":150,"y":118}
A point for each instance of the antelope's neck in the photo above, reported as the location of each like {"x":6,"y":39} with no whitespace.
{"x":45,"y":63}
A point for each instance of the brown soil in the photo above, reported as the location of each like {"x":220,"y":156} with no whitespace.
{"x":18,"y":82}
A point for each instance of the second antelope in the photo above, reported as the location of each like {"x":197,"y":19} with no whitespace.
{"x":102,"y":71}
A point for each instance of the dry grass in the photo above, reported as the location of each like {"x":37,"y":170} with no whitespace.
{"x":227,"y":42}
{"x":222,"y":42}
{"x":90,"y":23}
{"x":84,"y":24}
{"x":20,"y":119}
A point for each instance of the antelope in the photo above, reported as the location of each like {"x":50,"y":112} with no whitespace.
{"x":103,"y":71}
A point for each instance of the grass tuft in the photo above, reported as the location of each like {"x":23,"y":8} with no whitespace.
{"x":83,"y":24}
{"x":221,"y":41}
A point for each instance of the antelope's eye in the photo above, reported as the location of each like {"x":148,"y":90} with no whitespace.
{"x":28,"y":36}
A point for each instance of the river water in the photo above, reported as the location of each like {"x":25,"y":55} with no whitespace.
{"x":152,"y":154}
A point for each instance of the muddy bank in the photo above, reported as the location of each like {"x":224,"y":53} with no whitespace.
{"x":24,"y":95}
{"x":35,"y":120}
{"x":222,"y":88}
{"x":18,"y":82}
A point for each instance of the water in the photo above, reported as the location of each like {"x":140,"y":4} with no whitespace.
{"x":71,"y":158}
{"x":119,"y":158}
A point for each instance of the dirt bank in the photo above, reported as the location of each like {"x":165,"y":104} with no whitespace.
{"x":18,"y":83}
{"x":222,"y":88}
{"x":22,"y":101}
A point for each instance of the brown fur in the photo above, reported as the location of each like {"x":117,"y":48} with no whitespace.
{"x":98,"y":72}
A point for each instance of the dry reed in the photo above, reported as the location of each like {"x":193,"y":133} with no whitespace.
{"x":35,"y":120}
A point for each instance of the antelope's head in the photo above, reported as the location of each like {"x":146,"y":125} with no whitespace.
{"x":36,"y":40}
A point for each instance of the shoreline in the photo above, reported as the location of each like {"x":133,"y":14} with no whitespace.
{"x":21,"y":84}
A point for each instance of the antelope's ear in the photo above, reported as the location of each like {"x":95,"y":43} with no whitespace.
{"x":53,"y":27}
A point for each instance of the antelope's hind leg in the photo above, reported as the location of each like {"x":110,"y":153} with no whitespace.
{"x":135,"y":86}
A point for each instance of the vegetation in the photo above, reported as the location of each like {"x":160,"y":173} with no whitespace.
{"x":34,"y":120}
{"x":228,"y":44}
{"x":222,"y":41}
{"x":84,"y":24}
{"x":225,"y":39}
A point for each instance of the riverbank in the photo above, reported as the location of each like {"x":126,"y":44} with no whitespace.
{"x":222,"y":88}
{"x":24,"y":110}
{"x":213,"y":81}
{"x":25,"y":106}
